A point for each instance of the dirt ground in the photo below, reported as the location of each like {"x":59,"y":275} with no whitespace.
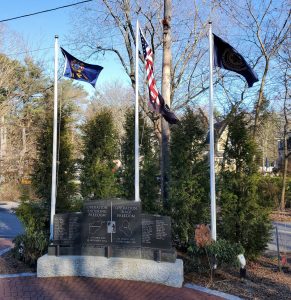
{"x":281,"y":216}
{"x":263,"y":280}
{"x":10,"y":265}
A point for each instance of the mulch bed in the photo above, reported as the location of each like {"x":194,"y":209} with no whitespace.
{"x":263,"y":281}
{"x":281,"y":216}
{"x":11,"y":265}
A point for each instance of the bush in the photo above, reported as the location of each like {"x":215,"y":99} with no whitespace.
{"x":189,"y":181}
{"x":270,"y":189}
{"x":244,"y":216}
{"x":35,"y":217}
{"x":149,"y":164}
{"x":100,"y":149}
{"x":42,"y":169}
{"x":224,"y":251}
{"x":34,"y":246}
{"x":77,"y":203}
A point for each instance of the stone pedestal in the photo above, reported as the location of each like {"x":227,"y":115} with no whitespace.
{"x":170,"y":274}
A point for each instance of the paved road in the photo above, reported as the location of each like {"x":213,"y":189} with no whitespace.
{"x":284,"y":235}
{"x":10,"y":226}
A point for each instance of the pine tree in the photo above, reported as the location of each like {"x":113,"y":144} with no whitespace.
{"x":244,"y":220}
{"x":189,"y":176}
{"x":98,"y":180}
{"x":66,"y":187}
{"x":149,"y":163}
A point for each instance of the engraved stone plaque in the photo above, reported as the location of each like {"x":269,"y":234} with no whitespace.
{"x":67,"y":228}
{"x":156,"y":231}
{"x":127,"y":216}
{"x":113,"y":227}
{"x":95,"y":223}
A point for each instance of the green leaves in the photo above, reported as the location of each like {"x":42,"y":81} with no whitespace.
{"x":243,"y":219}
{"x":149,"y":163}
{"x":98,"y":180}
{"x":189,"y":175}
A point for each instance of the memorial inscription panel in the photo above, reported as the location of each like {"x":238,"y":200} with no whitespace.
{"x":67,"y":228}
{"x":113,"y":228}
{"x":115,"y":222}
{"x":95,"y":223}
{"x":156,"y":231}
{"x":127,"y":221}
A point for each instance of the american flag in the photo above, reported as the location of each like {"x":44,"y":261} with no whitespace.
{"x":149,"y":65}
{"x":157,"y":102}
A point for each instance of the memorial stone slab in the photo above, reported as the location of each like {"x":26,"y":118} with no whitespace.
{"x":67,"y":228}
{"x":113,"y":228}
{"x":126,"y":218}
{"x":95,"y":223}
{"x":115,"y":222}
{"x":156,"y":231}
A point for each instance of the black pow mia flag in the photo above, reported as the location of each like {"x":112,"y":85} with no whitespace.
{"x":226,"y":57}
{"x":165,"y":111}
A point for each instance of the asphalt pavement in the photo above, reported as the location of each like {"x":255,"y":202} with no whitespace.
{"x":284,"y":237}
{"x":10,"y":226}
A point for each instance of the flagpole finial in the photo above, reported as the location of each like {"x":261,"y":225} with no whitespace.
{"x":56,"y":36}
{"x":210,"y":22}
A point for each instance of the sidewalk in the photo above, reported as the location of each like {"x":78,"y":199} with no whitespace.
{"x":5,"y":243}
{"x":79,"y":288}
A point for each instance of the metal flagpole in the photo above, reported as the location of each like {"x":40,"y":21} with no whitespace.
{"x":211,"y":144}
{"x":136,"y":125}
{"x":54,"y":160}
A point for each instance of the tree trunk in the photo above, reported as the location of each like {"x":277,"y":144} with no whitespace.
{"x":166,"y":93}
{"x":285,"y":168}
{"x":285,"y":149}
{"x":260,"y":99}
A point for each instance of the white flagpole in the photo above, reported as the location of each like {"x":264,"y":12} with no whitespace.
{"x":54,"y":160}
{"x":136,"y":125}
{"x":211,"y":144}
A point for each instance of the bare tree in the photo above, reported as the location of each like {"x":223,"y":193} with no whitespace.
{"x":114,"y":32}
{"x":117,"y":97}
{"x":266,"y":26}
{"x":285,"y":60}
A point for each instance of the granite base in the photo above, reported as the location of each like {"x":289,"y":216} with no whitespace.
{"x":170,"y":274}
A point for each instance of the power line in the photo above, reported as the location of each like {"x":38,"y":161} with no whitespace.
{"x":44,"y":11}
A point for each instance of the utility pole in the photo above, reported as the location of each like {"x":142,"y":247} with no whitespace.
{"x":166,"y":93}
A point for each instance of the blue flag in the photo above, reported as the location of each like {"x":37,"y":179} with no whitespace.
{"x":78,"y":70}
{"x":226,"y":57}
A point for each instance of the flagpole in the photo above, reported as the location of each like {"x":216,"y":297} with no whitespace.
{"x":136,"y":122}
{"x":54,"y":159}
{"x":211,"y":144}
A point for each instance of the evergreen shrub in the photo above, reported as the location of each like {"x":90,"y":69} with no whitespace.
{"x":244,"y":216}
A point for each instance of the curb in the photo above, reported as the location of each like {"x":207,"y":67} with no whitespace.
{"x":5,"y":250}
{"x":212,"y":292}
{"x":17,"y":275}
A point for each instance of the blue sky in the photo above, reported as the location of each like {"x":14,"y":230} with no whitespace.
{"x":39,"y":31}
